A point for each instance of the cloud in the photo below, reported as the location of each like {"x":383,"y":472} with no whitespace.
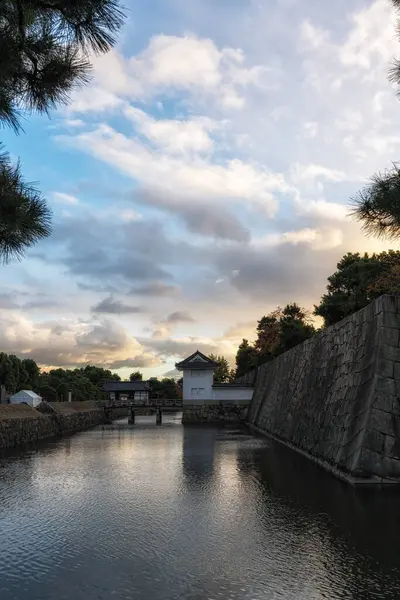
{"x":64,"y":198}
{"x":155,"y":288}
{"x":169,"y":63}
{"x":71,"y":343}
{"x":137,"y":362}
{"x":40,"y":304}
{"x":179,"y":316}
{"x":7,"y":301}
{"x":234,"y":180}
{"x":115,"y":307}
{"x":130,"y":256}
{"x":181,"y":347}
{"x":176,"y":136}
{"x":201,"y":217}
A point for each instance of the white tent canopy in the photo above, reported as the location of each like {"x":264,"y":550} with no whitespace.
{"x":26,"y":396}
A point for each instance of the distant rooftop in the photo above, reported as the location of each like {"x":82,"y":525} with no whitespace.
{"x":126,"y":386}
{"x":197,"y":360}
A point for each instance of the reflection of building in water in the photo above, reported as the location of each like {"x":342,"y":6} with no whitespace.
{"x":198,"y":455}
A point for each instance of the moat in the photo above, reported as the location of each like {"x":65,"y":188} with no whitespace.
{"x":188,"y":513}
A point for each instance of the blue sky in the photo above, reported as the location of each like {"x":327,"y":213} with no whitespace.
{"x":201,"y":179}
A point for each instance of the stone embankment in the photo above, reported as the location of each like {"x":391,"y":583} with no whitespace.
{"x":215,"y":413}
{"x":336,"y":397}
{"x":21,"y":424}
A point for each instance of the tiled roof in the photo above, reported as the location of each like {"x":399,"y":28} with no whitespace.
{"x":126,"y":386}
{"x":197,"y":360}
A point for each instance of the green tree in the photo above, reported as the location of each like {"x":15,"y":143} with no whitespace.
{"x":8,"y":376}
{"x":268,"y":336}
{"x":136,"y":376}
{"x":294,"y":328}
{"x":166,"y":388}
{"x":377,"y":206}
{"x":246,"y":358}
{"x":43,"y":56}
{"x":48,"y":393}
{"x":32,"y":371}
{"x":221,"y":373}
{"x":98,"y":375}
{"x":357,"y":281}
{"x":63,"y":390}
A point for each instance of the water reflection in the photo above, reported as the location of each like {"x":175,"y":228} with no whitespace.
{"x":168,"y":512}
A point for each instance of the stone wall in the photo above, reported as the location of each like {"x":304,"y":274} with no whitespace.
{"x":215,"y":413}
{"x":248,"y":379}
{"x":336,"y":397}
{"x":21,"y":424}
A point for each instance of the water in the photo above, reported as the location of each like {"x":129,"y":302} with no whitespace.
{"x":188,"y":514}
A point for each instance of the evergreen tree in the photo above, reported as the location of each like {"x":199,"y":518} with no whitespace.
{"x":136,"y":376}
{"x":357,"y":281}
{"x":377,"y":206}
{"x":246,"y":358}
{"x":221,"y":373}
{"x":43,"y":56}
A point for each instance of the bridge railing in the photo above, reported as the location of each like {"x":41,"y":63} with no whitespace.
{"x":151,"y":402}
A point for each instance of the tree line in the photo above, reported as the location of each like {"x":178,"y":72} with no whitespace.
{"x":358,"y":280}
{"x":84,"y":383}
{"x":54,"y":385}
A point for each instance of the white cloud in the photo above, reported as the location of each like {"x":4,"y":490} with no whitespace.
{"x":318,"y":239}
{"x":174,"y":135}
{"x":92,"y":99}
{"x":310,"y":174}
{"x":64,"y":198}
{"x":331,"y":211}
{"x":197,"y":177}
{"x":170,"y":63}
{"x":371,"y":38}
{"x":67,"y":342}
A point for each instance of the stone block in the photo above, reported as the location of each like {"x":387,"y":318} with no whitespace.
{"x":396,"y":406}
{"x":387,"y":352}
{"x":389,"y":336}
{"x":374,"y":440}
{"x":391,"y":320}
{"x":391,"y":468}
{"x":388,"y":303}
{"x":396,"y":371}
{"x":392,"y":446}
{"x":378,"y":306}
{"x":381,"y":421}
{"x":371,"y":463}
{"x":385,"y":368}
{"x":384,"y":385}
{"x":384,"y":402}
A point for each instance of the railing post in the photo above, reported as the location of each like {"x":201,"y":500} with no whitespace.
{"x":131,"y":418}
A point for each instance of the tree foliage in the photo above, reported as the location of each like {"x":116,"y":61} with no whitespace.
{"x":43,"y":56}
{"x":246,"y":358}
{"x":377,"y":206}
{"x":136,"y":376}
{"x":358,"y":280}
{"x":166,"y":388}
{"x":222,"y":372}
{"x":84,"y":383}
{"x":277,"y":332}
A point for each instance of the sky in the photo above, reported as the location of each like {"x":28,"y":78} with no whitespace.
{"x":202,"y":179}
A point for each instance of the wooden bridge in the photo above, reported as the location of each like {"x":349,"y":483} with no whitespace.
{"x":154,"y":405}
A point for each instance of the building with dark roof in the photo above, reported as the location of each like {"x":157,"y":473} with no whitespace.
{"x":198,"y":381}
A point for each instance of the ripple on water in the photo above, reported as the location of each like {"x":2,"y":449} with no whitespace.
{"x":164,"y":513}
